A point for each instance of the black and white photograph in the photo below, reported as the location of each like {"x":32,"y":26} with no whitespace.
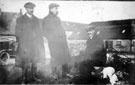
{"x":67,"y":42}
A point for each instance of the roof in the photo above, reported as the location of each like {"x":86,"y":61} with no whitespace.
{"x":116,"y":29}
{"x":113,"y":22}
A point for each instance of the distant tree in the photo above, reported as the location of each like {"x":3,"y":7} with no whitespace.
{"x":3,"y":22}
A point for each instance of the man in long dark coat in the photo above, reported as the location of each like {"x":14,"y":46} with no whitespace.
{"x":55,"y":34}
{"x":29,"y":37}
{"x":95,"y":48}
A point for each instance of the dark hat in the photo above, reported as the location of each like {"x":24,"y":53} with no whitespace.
{"x":52,"y":5}
{"x":90,"y":28}
{"x":29,"y":5}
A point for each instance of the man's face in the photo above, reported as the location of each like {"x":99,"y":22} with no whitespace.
{"x":54,"y":10}
{"x":91,"y":34}
{"x":30,"y":10}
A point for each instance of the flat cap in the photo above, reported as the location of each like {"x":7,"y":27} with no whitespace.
{"x":29,"y":5}
{"x":52,"y":5}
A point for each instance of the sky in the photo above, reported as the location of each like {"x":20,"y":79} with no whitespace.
{"x":77,"y":11}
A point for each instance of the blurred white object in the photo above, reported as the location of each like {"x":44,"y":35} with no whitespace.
{"x":113,"y":79}
{"x":47,"y":51}
{"x":68,"y":33}
{"x":11,"y":61}
{"x":110,"y":72}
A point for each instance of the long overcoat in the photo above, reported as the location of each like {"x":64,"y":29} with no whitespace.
{"x":55,"y":34}
{"x":29,"y":37}
{"x":95,"y":50}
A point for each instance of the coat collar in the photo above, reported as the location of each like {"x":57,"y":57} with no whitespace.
{"x":28,"y":18}
{"x":28,"y":15}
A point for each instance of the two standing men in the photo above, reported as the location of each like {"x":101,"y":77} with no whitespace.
{"x":30,"y":37}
